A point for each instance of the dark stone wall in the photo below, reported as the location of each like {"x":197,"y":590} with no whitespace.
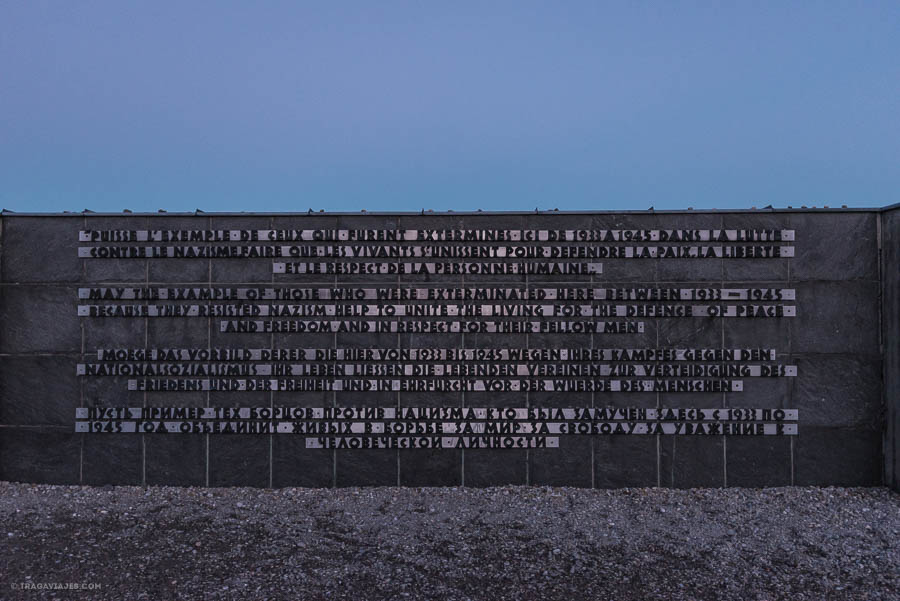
{"x":834,"y":341}
{"x":890,"y":266}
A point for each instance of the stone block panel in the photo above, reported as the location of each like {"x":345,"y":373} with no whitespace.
{"x":175,"y":459}
{"x":836,"y":317}
{"x":835,"y":246}
{"x":826,"y":456}
{"x":239,"y":460}
{"x":692,"y":461}
{"x":39,"y":319}
{"x":41,"y":249}
{"x":40,"y":455}
{"x":488,"y":467}
{"x":758,"y":461}
{"x":39,"y":390}
{"x":115,"y":459}
{"x":376,"y":467}
{"x":838,"y":391}
{"x":430,"y":467}
{"x":568,"y":465}
{"x":295,"y":465}
{"x":625,"y":461}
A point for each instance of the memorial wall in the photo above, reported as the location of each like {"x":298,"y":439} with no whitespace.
{"x":581,"y":349}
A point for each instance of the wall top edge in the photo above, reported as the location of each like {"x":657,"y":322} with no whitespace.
{"x":7,"y":213}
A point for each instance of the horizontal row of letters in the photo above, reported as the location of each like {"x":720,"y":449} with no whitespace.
{"x":389,"y":427}
{"x":429,"y":427}
{"x":464,"y":295}
{"x":386,"y":370}
{"x":432,"y":385}
{"x":467,"y":414}
{"x":431,"y":327}
{"x":440,"y":235}
{"x":379,"y":254}
{"x":385,"y":436}
{"x":435,"y":310}
{"x":435,"y":354}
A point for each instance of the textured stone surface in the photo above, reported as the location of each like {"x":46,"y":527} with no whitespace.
{"x":836,"y":317}
{"x":758,"y":461}
{"x":179,"y":332}
{"x":701,"y":332}
{"x":176,"y":460}
{"x":41,"y":249}
{"x":711,"y":400}
{"x":625,"y":461}
{"x":110,"y":333}
{"x":749,"y":333}
{"x":295,"y":465}
{"x":691,"y":461}
{"x":219,"y":339}
{"x":239,"y":460}
{"x":112,"y":392}
{"x":826,"y":456}
{"x":175,"y":399}
{"x":37,"y":318}
{"x":484,"y":467}
{"x":835,"y":246}
{"x":838,"y":390}
{"x":763,"y":393}
{"x":43,"y":455}
{"x":570,"y":463}
{"x":430,"y":467}
{"x":375,"y":467}
{"x":38,"y":391}
{"x":111,"y":459}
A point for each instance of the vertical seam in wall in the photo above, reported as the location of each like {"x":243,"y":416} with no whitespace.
{"x":593,"y":438}
{"x":399,"y":347}
{"x":880,"y":267}
{"x":272,"y":391}
{"x":722,"y":346}
{"x":658,"y":394}
{"x":658,"y":436}
{"x":887,"y":421}
{"x":334,"y":453}
{"x":208,"y":345}
{"x":790,"y":399}
{"x":527,"y":397}
{"x":81,"y":380}
{"x":462,"y":396}
{"x":144,"y":396}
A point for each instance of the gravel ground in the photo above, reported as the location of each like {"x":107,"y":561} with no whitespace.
{"x":449,"y":543}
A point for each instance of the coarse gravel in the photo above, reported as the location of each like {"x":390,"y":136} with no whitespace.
{"x":163,"y":543}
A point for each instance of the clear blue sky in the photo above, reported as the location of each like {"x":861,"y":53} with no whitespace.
{"x":285,"y":106}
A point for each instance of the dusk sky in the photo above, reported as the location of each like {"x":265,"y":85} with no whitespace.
{"x":343,"y":106}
